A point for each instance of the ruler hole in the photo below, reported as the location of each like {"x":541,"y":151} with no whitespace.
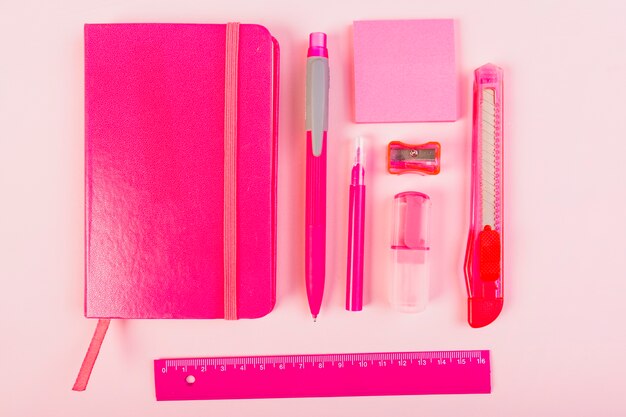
{"x":190,"y":379}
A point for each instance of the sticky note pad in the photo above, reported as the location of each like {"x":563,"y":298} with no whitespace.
{"x":405,"y":71}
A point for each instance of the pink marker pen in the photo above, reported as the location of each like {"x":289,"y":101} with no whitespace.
{"x":317,"y":80}
{"x":356,"y":230}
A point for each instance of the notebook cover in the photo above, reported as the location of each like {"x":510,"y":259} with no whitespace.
{"x":405,"y":71}
{"x":154,"y":198}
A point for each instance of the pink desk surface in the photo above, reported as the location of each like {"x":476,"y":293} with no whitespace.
{"x":558,"y":347}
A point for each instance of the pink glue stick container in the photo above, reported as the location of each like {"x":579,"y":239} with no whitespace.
{"x":410,"y":247}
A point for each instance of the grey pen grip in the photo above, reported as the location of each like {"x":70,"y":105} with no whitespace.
{"x":317,"y":75}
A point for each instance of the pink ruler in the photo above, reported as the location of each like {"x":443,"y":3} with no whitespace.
{"x":353,"y":374}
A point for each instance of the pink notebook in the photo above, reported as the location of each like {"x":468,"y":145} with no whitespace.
{"x":156,"y":237}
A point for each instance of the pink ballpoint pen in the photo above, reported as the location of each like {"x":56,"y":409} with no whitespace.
{"x":316,"y":130}
{"x":356,"y":230}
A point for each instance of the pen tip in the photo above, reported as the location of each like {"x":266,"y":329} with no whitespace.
{"x":314,"y":319}
{"x":359,"y":156}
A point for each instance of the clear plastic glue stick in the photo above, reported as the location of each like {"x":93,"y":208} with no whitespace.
{"x":410,"y":247}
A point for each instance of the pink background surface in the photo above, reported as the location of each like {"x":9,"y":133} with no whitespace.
{"x":558,"y":347}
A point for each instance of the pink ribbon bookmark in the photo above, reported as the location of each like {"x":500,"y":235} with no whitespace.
{"x":92,"y":354}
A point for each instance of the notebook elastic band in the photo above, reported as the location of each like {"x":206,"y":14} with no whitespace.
{"x":230,"y":172}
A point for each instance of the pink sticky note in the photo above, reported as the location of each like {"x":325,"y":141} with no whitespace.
{"x":405,"y":71}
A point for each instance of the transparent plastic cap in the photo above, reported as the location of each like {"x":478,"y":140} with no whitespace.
{"x":410,"y":246}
